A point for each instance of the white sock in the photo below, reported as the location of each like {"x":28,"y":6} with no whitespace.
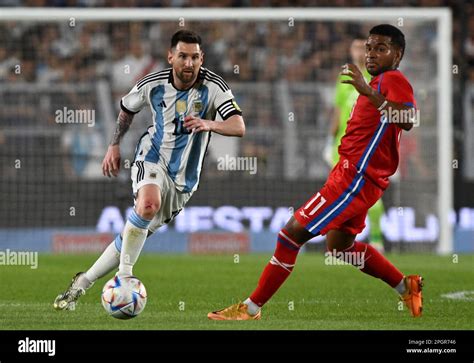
{"x":401,"y":288}
{"x":252,"y":308}
{"x":83,"y":281}
{"x":134,"y":236}
{"x":108,"y":261}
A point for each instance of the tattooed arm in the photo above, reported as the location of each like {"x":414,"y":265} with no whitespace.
{"x":123,"y":124}
{"x":111,"y":162}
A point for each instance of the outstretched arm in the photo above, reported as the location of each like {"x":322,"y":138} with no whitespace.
{"x":111,"y":162}
{"x":233,"y":126}
{"x":377,"y":99}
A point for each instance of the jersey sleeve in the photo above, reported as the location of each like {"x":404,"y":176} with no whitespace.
{"x":226,"y":105}
{"x":134,"y":101}
{"x":397,"y":89}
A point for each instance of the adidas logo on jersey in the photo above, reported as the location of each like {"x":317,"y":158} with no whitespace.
{"x":162,"y":104}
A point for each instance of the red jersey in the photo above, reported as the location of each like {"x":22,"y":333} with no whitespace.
{"x":370,"y":144}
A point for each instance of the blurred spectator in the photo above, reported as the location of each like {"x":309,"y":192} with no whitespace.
{"x":134,"y":64}
{"x":265,"y":53}
{"x":83,"y":148}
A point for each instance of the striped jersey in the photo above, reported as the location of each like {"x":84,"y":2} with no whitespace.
{"x":372,"y":143}
{"x":167,"y":141}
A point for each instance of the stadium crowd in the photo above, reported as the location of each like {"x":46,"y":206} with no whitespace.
{"x":120,"y":53}
{"x":262,"y":52}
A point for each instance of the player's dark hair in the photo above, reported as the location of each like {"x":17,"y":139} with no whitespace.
{"x":396,"y":36}
{"x":185,"y":36}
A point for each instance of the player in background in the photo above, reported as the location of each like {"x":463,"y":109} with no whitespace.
{"x":185,"y":101}
{"x":345,"y":98}
{"x":369,"y":154}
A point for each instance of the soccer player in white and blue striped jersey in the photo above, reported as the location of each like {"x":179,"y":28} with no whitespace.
{"x":188,"y":102}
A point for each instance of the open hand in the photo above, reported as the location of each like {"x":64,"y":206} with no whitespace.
{"x":111,"y":162}
{"x":358,"y":80}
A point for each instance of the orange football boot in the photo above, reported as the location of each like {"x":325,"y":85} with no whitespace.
{"x":234,"y":312}
{"x":413,"y":298}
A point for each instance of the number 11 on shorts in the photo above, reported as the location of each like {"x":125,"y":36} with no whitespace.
{"x":313,"y":201}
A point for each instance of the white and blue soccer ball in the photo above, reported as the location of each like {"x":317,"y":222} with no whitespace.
{"x":124,"y":297}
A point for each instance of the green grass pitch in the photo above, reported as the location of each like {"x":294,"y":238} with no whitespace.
{"x":182,"y":289}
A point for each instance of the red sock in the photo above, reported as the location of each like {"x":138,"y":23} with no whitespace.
{"x":375,"y":264}
{"x":277,"y":270}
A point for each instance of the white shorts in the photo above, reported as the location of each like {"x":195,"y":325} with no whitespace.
{"x":172,"y":200}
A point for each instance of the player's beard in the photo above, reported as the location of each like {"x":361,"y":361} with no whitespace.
{"x":375,"y":72}
{"x":186,"y":77}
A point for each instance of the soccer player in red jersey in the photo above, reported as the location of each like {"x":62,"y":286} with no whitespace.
{"x":369,"y":154}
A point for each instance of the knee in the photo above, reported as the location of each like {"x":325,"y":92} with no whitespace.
{"x":339,"y":241}
{"x":336,"y":245}
{"x":147,"y":208}
{"x":297,"y":232}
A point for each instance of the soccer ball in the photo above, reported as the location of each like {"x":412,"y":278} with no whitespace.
{"x":124,"y":297}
